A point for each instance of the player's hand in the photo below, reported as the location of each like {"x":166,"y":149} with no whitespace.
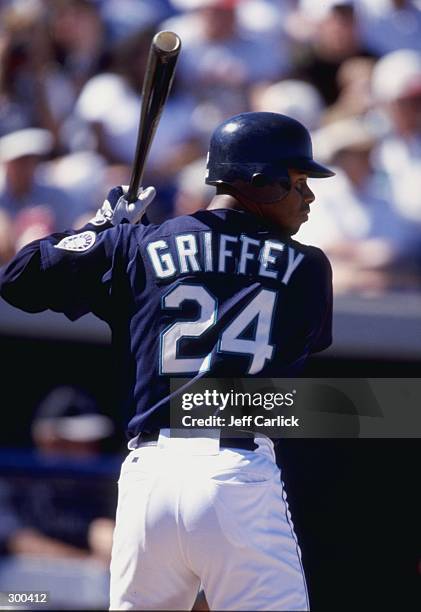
{"x":116,"y":208}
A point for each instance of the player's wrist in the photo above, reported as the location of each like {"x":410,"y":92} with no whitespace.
{"x":95,"y":225}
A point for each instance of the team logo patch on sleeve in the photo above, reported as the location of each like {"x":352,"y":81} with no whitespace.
{"x":77,"y":242}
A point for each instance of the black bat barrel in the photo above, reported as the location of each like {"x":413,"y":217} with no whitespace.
{"x":160,"y":70}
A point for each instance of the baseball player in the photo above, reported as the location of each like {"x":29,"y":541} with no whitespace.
{"x":223,"y":291}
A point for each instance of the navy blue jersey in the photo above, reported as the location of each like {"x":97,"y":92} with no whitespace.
{"x":220,"y":292}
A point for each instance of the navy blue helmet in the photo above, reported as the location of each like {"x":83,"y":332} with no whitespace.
{"x":259,"y":148}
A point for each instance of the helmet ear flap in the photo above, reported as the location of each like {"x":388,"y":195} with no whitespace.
{"x":261,"y":180}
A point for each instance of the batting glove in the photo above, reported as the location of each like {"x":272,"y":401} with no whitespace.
{"x":116,"y":208}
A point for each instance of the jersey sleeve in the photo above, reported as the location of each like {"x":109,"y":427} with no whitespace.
{"x":313,"y":300}
{"x":322,"y":337}
{"x":73,"y":272}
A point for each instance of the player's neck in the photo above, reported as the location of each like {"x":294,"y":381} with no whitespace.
{"x":224,"y":200}
{"x":231,"y":202}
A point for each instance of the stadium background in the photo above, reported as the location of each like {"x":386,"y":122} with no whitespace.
{"x":351,"y":71}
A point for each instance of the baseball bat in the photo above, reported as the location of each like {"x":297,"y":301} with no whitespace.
{"x":159,"y":75}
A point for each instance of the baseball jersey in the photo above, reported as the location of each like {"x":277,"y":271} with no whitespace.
{"x":220,"y":292}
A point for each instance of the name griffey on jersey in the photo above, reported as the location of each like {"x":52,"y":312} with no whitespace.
{"x":213,"y":252}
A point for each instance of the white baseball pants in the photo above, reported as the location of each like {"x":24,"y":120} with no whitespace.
{"x":218,"y":519}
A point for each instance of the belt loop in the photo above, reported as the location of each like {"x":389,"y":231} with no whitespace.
{"x":134,"y":443}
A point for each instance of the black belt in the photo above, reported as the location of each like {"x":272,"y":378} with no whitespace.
{"x":246,"y":443}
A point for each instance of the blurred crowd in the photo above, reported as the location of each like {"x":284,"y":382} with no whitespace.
{"x":56,"y":511}
{"x":70,"y":80}
{"x":58,"y":501}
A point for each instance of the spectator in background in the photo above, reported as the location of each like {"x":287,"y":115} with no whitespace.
{"x":389,"y":25}
{"x":192,"y":193}
{"x":371,"y":246}
{"x":33,"y":208}
{"x":7,"y":247}
{"x":33,"y":90}
{"x":68,"y":423}
{"x":83,"y":175}
{"x":396,"y":88}
{"x":219,"y":61}
{"x":354,"y":82}
{"x":294,"y":98}
{"x":255,"y":19}
{"x":334,"y":38}
{"x":61,"y":517}
{"x":123,"y":17}
{"x":78,"y":39}
{"x":110,"y":104}
{"x":267,"y":18}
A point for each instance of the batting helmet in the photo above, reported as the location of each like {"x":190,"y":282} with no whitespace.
{"x":259,"y":148}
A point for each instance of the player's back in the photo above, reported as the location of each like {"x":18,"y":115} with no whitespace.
{"x":222,"y":291}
